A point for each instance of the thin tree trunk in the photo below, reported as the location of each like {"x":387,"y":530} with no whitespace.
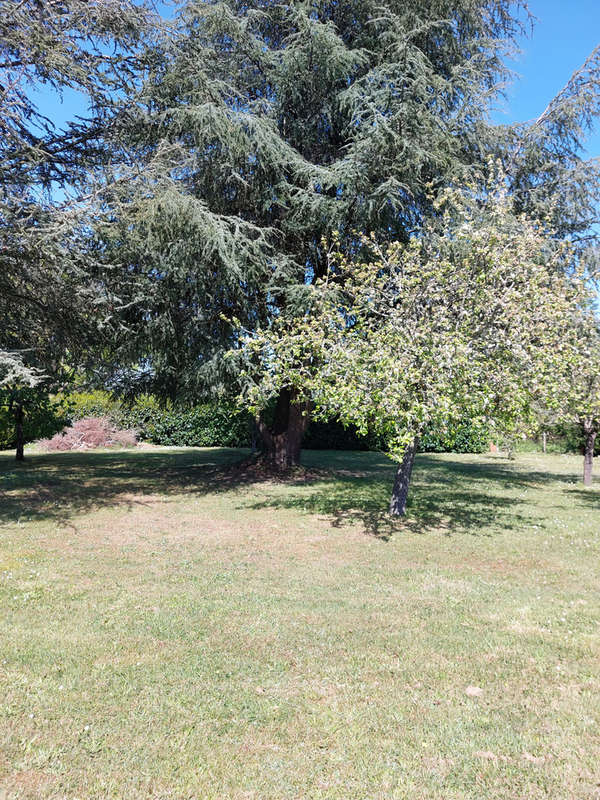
{"x":402,"y":481}
{"x":283,"y":439}
{"x":19,"y":435}
{"x":544,"y":441}
{"x":254,"y":437}
{"x":588,"y":458}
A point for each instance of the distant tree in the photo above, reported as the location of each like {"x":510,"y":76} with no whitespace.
{"x":19,"y":385}
{"x":262,"y":129}
{"x":468,"y":319}
{"x":550,"y":179}
{"x":571,"y":393}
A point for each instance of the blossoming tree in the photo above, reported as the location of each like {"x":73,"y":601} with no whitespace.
{"x":469,"y":317}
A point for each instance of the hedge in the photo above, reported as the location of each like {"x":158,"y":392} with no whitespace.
{"x":219,"y":425}
{"x":466,"y":436}
{"x":206,"y":425}
{"x":224,"y":425}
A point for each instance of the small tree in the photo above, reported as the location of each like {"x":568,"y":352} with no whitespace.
{"x":463,"y":320}
{"x":19,"y":388}
{"x":572,"y":388}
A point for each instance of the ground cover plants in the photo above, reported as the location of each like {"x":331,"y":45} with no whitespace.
{"x":171,"y":630}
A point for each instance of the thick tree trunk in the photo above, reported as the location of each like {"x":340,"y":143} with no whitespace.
{"x":283,"y":439}
{"x":402,"y":481}
{"x":588,"y":458}
{"x":19,"y":435}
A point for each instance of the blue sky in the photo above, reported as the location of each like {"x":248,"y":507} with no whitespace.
{"x":565,"y":33}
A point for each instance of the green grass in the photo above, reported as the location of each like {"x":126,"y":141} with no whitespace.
{"x":170,"y":633}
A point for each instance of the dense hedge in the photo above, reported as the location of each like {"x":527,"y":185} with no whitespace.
{"x":223,"y":425}
{"x":332,"y":435}
{"x":220,"y":425}
{"x":208,"y":425}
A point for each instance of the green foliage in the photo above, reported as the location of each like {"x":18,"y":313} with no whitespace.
{"x":463,"y":436}
{"x":42,"y":419}
{"x":471,"y":319}
{"x":92,"y":404}
{"x":224,"y":425}
{"x":548,"y":175}
{"x":265,"y":127}
{"x":333,"y":435}
{"x":573,"y":394}
{"x":51,"y":305}
{"x":202,"y":426}
{"x":467,"y":319}
{"x":565,"y":437}
{"x":207,"y":425}
{"x":555,"y":445}
{"x":60,"y":44}
{"x":24,"y":394}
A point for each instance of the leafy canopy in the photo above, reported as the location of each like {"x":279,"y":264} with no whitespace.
{"x":471,"y":317}
{"x":47,"y":295}
{"x":264,"y":127}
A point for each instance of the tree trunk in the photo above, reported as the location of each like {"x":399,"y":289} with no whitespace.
{"x":544,"y":441}
{"x":19,"y":436}
{"x":588,"y":459}
{"x":402,"y":481}
{"x":283,"y":439}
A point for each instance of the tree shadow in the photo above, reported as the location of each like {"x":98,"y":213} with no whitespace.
{"x":58,"y":486}
{"x":345,"y":487}
{"x":438,"y":499}
{"x":479,"y":497}
{"x":588,"y":497}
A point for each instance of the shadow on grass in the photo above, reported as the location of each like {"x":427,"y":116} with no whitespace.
{"x":57,"y":486}
{"x":476,"y":497}
{"x":344,"y":486}
{"x":587,"y":497}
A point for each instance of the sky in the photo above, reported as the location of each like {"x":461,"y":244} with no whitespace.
{"x":564,"y":34}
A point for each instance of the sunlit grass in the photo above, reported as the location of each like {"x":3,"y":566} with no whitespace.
{"x":170,"y":632}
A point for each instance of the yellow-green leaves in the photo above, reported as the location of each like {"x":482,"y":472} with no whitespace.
{"x":467,"y":319}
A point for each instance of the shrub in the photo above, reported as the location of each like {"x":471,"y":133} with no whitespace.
{"x":332,"y":435}
{"x":205,"y":425}
{"x":208,"y":425}
{"x":92,"y":405}
{"x":143,"y":414}
{"x":88,"y":433}
{"x":467,"y":436}
{"x":224,"y":425}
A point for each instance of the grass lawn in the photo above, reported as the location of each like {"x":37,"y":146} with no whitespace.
{"x":167,"y":632}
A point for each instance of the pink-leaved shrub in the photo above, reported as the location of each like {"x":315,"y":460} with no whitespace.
{"x":87,"y":433}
